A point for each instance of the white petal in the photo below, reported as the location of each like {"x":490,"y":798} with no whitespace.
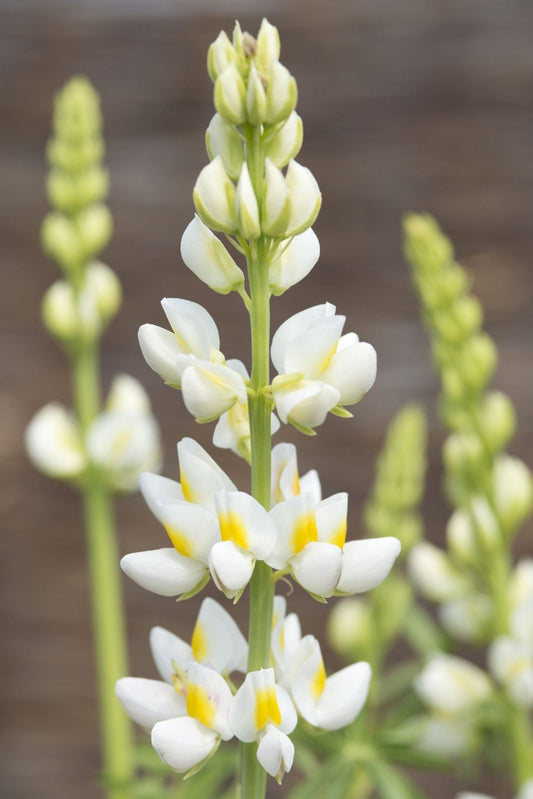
{"x":158,"y":491}
{"x":163,"y":571}
{"x":289,"y":716}
{"x":209,"y":699}
{"x":53,"y":442}
{"x":317,"y":568}
{"x":366,"y":563}
{"x":255,"y":705}
{"x":275,"y":752}
{"x":194,"y":328}
{"x":292,"y":327}
{"x":201,"y":476}
{"x":306,"y":402}
{"x":286,"y":143}
{"x":296,"y":528}
{"x":353,"y":371}
{"x":305,"y":198}
{"x":231,"y":567}
{"x":183,"y":742}
{"x":217,"y":641}
{"x":149,"y":701}
{"x":311,"y":352}
{"x":294,"y":263}
{"x":434,"y":575}
{"x":307,"y":678}
{"x":192,"y":529}
{"x":222,"y":139}
{"x":211,"y":389}
{"x":343,"y":697}
{"x":206,"y":256}
{"x":123,"y":444}
{"x":167,"y":647}
{"x":160,"y":349}
{"x":246,"y":206}
{"x":127,"y":395}
{"x":245,"y":522}
{"x":214,"y":197}
{"x":310,"y":484}
{"x":275,"y":214}
{"x":451,"y":684}
{"x":331,"y":519}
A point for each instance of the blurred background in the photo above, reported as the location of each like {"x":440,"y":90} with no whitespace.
{"x":407,"y":105}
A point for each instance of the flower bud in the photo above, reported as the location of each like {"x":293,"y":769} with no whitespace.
{"x":60,"y":316}
{"x":282,"y":94}
{"x":220,"y":55}
{"x":61,"y":190}
{"x":95,"y":226}
{"x":467,"y":619}
{"x":452,"y":685}
{"x":92,"y":186}
{"x":127,"y":395}
{"x":305,"y":198}
{"x":462,"y":453}
{"x":294,"y":263}
{"x":222,"y":139}
{"x":53,"y":443}
{"x":214,"y":197}
{"x":513,"y":491}
{"x":256,"y":102}
{"x":207,"y":257}
{"x":246,"y":206}
{"x":268,"y":46}
{"x":477,"y":361}
{"x":60,"y":239}
{"x":230,"y":96}
{"x":497,"y":420}
{"x":105,"y":287}
{"x":460,"y":537}
{"x":434,"y":575}
{"x":286,"y":142}
{"x":276,"y":205}
{"x":426,"y":246}
{"x":349,"y":626}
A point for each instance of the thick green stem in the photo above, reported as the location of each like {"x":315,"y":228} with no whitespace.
{"x":106,"y":600}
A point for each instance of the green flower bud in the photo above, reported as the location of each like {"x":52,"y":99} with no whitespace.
{"x":105,"y":287}
{"x":513,"y":491}
{"x":95,"y":226}
{"x":219,"y":56}
{"x":256,"y":102}
{"x":477,"y":361}
{"x":349,"y":626}
{"x":276,"y":203}
{"x":230,"y":96}
{"x":268,"y":46}
{"x":425,"y":246}
{"x":463,"y":452}
{"x":286,"y":142}
{"x":61,"y":190}
{"x":497,"y":420}
{"x":305,"y":198}
{"x":60,"y":239}
{"x":222,"y":139}
{"x":246,"y":206}
{"x":214,"y":198}
{"x":282,"y":94}
{"x":59,"y":311}
{"x":92,"y":186}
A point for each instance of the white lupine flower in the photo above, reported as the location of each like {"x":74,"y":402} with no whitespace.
{"x":447,"y":736}
{"x":521,"y":582}
{"x":53,"y":442}
{"x":470,"y":795}
{"x":185,"y":741}
{"x":452,"y":685}
{"x":318,"y":367}
{"x":286,"y":142}
{"x":60,"y":312}
{"x":247,"y":534}
{"x":468,"y":618}
{"x":366,"y":563}
{"x":262,"y":711}
{"x":294,"y":263}
{"x":246,"y":206}
{"x":214,"y":197}
{"x":206,"y":256}
{"x":210,"y":389}
{"x":187,"y":511}
{"x":434,"y":575}
{"x":526,"y":791}
{"x":194,"y":332}
{"x":513,"y":490}
{"x":105,"y":288}
{"x":222,"y":139}
{"x":510,"y":657}
{"x":285,"y":479}
{"x":286,"y":635}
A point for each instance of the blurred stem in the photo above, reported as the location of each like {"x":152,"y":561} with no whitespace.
{"x":104,"y":579}
{"x":521,"y":745}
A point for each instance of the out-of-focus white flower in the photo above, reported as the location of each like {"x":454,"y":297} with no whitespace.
{"x":468,"y":618}
{"x":185,"y":741}
{"x":513,"y":491}
{"x":295,"y":260}
{"x":319,"y":368}
{"x":247,"y":533}
{"x":187,"y":511}
{"x":124,"y":441}
{"x":349,"y":625}
{"x":105,"y":288}
{"x":216,"y":642}
{"x":526,"y":791}
{"x":434,"y":575}
{"x":262,"y":711}
{"x":54,"y":444}
{"x":189,"y":358}
{"x":452,"y":685}
{"x":469,"y":795}
{"x":206,"y":256}
{"x":446,"y":736}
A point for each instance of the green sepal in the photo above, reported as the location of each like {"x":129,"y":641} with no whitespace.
{"x":196,"y":590}
{"x":307,"y":431}
{"x":342,"y":412}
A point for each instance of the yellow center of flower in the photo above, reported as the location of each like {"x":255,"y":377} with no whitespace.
{"x":200,"y":705}
{"x":266,"y":707}
{"x":232,"y":528}
{"x":319,"y":681}
{"x":304,"y":531}
{"x":180,"y":541}
{"x":338,"y":537}
{"x":199,"y":645}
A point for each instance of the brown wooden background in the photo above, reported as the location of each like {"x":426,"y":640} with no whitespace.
{"x":407,"y":104}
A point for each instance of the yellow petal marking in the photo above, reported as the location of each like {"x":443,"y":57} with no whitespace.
{"x":326,"y":359}
{"x":180,"y":541}
{"x":187,"y":489}
{"x":296,"y":483}
{"x":199,"y":644}
{"x":200,"y":705}
{"x":319,"y":680}
{"x":304,"y":531}
{"x":232,"y":528}
{"x":266,"y":707}
{"x":338,"y":537}
{"x":179,"y":685}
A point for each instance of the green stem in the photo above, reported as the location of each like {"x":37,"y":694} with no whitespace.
{"x":106,"y":600}
{"x":521,"y":745}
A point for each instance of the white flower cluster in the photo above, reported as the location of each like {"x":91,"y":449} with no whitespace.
{"x":219,"y":531}
{"x":120,"y":444}
{"x":193,"y":707}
